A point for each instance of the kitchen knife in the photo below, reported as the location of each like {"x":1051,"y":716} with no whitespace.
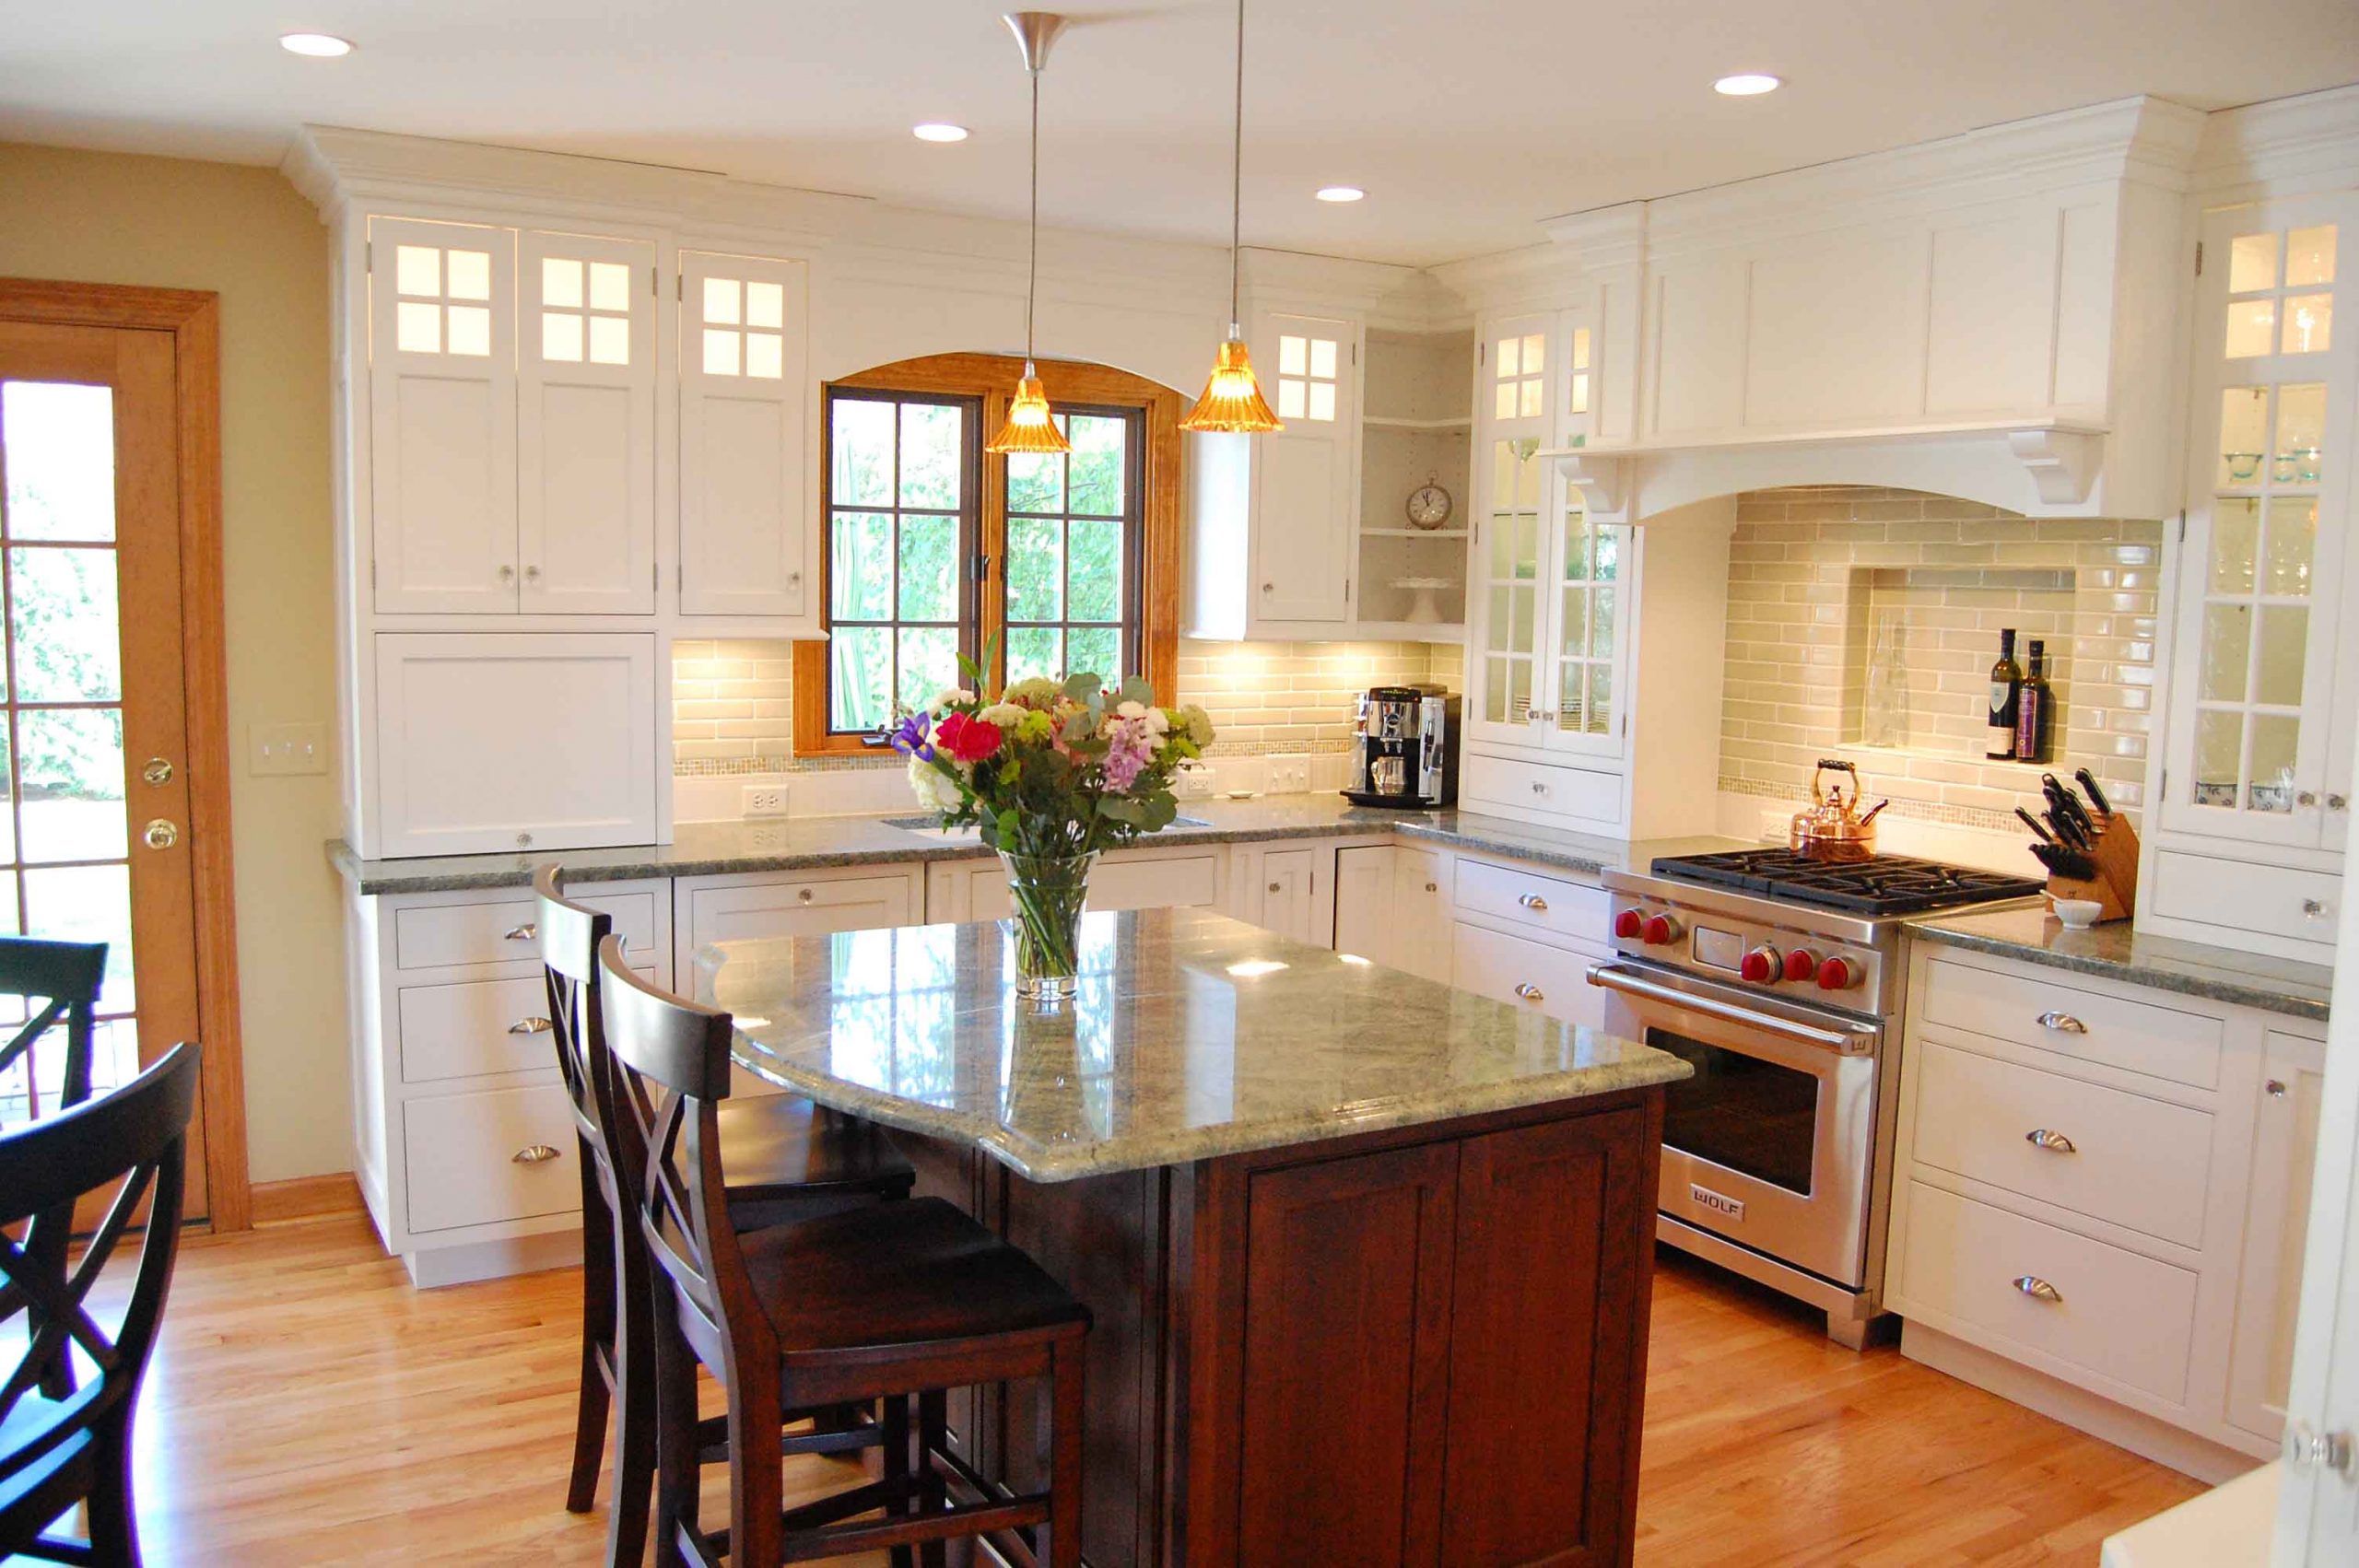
{"x":2067,"y":830}
{"x":2067,"y":864}
{"x":2068,"y":804}
{"x":2096,"y":796}
{"x":2039,"y":829}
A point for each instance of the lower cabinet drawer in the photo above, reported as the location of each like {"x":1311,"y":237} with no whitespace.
{"x":2179,"y":1043}
{"x":1553,"y":980}
{"x":1516,"y":788}
{"x":1549,"y":904}
{"x":2118,"y":1315}
{"x":478,"y":1027}
{"x":2136,"y":1161}
{"x":789,"y":908}
{"x":443,"y":936}
{"x":2272,"y":900}
{"x":474,"y":1159}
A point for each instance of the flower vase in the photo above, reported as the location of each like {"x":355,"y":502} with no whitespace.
{"x":1047,"y":893}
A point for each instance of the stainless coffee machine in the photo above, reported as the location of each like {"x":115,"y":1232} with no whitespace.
{"x":1404,"y":748}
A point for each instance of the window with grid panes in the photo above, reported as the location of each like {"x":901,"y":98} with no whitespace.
{"x":1071,"y":575}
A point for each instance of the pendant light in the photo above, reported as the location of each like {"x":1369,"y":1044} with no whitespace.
{"x":1029,"y":427}
{"x":1232,"y":400}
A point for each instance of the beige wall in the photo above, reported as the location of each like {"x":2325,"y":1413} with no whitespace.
{"x":245,"y":234}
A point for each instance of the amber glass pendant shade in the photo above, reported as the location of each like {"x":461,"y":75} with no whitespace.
{"x":1232,"y":400}
{"x":1029,"y":427}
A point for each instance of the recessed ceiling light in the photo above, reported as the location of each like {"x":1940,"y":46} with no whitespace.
{"x":1340,"y":193}
{"x":1747,"y":84}
{"x":939,"y":130}
{"x":318,"y":45}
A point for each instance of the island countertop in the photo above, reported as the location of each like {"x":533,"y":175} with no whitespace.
{"x":1193,"y":1036}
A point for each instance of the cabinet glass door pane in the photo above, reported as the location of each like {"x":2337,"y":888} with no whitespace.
{"x":1589,"y":589}
{"x":1512,"y":572}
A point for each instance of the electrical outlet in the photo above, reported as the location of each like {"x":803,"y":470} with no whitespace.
{"x":1289,"y":775}
{"x":762,"y":799}
{"x":284,"y":749}
{"x":1193,"y":781}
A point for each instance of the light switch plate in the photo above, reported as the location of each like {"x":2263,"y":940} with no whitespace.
{"x":280,"y":750}
{"x":1289,"y":775}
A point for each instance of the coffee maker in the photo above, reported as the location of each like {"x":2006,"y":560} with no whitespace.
{"x":1404,"y":748}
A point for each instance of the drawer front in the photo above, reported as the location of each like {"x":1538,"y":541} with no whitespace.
{"x":1177,"y":881}
{"x":2138,"y":1036}
{"x":2108,"y":1154}
{"x":1545,"y":904}
{"x":463,"y":1149}
{"x":2271,"y":900}
{"x":1518,"y":787}
{"x":454,"y":936}
{"x":2118,"y":1315}
{"x":1547,"y":979}
{"x":799,"y":908}
{"x":477,"y":1027}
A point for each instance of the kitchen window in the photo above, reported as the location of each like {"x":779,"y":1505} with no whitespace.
{"x":935,"y":548}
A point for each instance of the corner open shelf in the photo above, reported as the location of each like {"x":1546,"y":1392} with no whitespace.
{"x":1419,"y":428}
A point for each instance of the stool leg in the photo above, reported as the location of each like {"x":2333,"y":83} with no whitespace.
{"x":635,"y":1410}
{"x":597,"y":1337}
{"x":895,"y":1460}
{"x":933,"y":1491}
{"x":757,"y":1532}
{"x":113,"y":1520}
{"x":677,"y":1478}
{"x":1064,"y":1452}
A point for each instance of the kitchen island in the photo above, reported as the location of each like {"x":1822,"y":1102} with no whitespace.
{"x":1368,"y":1258}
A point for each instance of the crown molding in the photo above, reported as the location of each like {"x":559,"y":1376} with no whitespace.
{"x":2298,"y":143}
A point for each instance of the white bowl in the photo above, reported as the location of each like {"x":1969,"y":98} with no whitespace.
{"x":2078,"y":913}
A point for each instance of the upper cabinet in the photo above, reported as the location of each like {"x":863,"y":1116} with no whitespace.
{"x":1304,"y":475}
{"x":745,"y":542}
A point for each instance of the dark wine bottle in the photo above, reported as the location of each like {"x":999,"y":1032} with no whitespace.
{"x":2006,"y":700}
{"x":2035,"y":710}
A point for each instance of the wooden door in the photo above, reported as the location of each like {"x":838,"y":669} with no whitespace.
{"x":1306,"y":475}
{"x":1346,"y":1337}
{"x":1554,"y":1288}
{"x":95,"y":828}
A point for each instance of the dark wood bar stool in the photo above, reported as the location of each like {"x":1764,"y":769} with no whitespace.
{"x":58,"y":1451}
{"x":783,"y":1158}
{"x":891,"y":1302}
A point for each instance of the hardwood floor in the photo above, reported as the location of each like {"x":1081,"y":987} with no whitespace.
{"x":309,"y":1406}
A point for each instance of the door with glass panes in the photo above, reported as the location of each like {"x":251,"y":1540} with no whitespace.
{"x":2260,"y":732}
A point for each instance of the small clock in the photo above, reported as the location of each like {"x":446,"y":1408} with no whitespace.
{"x":1429,"y":506}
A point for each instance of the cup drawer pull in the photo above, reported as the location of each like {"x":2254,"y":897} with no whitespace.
{"x":530,"y":1026}
{"x":1534,"y":902}
{"x":2054,"y":1142}
{"x":528,"y":932}
{"x":2038,"y":1289}
{"x":1528,"y":991}
{"x":534,"y":1154}
{"x":2062,"y":1022}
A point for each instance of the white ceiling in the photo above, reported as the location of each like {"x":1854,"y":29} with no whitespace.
{"x":1466,"y":121}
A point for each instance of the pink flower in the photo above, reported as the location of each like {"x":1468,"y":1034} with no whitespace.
{"x":1130,"y":748}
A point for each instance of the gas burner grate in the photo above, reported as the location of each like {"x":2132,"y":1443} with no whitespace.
{"x":1882,"y":884}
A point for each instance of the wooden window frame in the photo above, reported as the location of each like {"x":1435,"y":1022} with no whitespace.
{"x":1069,"y":384}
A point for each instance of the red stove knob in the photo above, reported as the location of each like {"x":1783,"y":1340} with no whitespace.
{"x":1761,"y":966}
{"x":1837,"y":975}
{"x":1659,"y":931}
{"x":1629,"y":924}
{"x":1800,"y":965}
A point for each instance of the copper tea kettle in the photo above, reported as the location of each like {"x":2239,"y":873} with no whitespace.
{"x":1834,"y":828}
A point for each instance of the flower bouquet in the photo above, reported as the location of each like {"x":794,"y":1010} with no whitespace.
{"x":1050,"y":774}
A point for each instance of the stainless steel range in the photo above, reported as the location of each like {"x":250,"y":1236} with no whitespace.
{"x":1779,"y":977}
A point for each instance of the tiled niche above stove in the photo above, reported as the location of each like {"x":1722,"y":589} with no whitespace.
{"x":1862,"y":622}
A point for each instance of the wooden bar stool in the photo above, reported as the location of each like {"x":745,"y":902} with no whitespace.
{"x":883,"y":1303}
{"x":783,"y":1158}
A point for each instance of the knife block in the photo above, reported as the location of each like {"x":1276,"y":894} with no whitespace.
{"x":2115,"y":887}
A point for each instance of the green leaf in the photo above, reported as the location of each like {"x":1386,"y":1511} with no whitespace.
{"x":1122,"y":809}
{"x":1083,"y":688}
{"x":1137,"y":689}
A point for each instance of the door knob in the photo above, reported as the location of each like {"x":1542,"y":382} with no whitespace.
{"x":2307,"y":1448}
{"x":157,"y":771}
{"x":160,"y":834}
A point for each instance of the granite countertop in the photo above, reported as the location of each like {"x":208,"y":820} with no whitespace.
{"x":2114,"y":951}
{"x":1193,"y":1036}
{"x":789,"y":844}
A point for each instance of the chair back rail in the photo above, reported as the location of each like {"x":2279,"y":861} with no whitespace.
{"x":64,"y":978}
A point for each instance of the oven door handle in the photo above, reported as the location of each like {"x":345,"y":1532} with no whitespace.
{"x":1848,"y":1039}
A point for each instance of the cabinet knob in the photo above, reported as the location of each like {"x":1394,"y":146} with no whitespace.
{"x":794,"y":579}
{"x":534,"y":1154}
{"x":1433,"y":887}
{"x":531,"y":1026}
{"x":2062,"y":1022}
{"x":2337,"y":804}
{"x":1530,"y":992}
{"x":1534,"y":902}
{"x":2312,"y":908}
{"x":2305,"y":798}
{"x":1269,"y":588}
{"x":2054,"y":1142}
{"x":528,"y":932}
{"x":1273,"y":887}
{"x":803,"y":895}
{"x":2038,"y":1289}
{"x":2275,"y":1088}
{"x":531,"y":574}
{"x":507,"y":574}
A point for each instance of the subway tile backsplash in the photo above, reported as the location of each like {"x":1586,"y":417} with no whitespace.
{"x":1862,"y":622}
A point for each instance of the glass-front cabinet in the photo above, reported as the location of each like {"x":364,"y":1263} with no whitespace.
{"x":1547,"y":583}
{"x":2261,"y":726}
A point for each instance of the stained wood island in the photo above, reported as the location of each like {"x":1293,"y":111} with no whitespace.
{"x":1369,"y":1258}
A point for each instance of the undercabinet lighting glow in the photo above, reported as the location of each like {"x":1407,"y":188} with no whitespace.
{"x":1356,"y":960}
{"x":1254,"y":968}
{"x":1340,"y":193}
{"x":1747,"y":84}
{"x":939,"y":130}
{"x":317,"y":45}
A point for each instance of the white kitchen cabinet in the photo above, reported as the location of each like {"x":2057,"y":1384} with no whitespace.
{"x":763,"y":906}
{"x":2276,"y":1222}
{"x":2255,"y":785}
{"x":1549,"y":978}
{"x":441,"y":367}
{"x":515,"y":741}
{"x":747,"y":546}
{"x":1392,"y":906}
{"x":1123,"y":879}
{"x":1286,"y":888}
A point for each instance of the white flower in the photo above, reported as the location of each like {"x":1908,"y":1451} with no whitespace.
{"x":949,"y":697}
{"x":1156,"y":721}
{"x":934,"y":789}
{"x":1006,"y":714}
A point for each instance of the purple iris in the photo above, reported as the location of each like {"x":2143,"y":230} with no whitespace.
{"x":910,"y":737}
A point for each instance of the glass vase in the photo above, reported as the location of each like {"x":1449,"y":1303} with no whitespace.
{"x":1046,"y":893}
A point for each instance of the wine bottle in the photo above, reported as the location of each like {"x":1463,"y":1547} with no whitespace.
{"x":2006,"y":694}
{"x":2035,"y":710}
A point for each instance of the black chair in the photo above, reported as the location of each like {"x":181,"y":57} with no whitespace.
{"x":887,"y":1303}
{"x":785,"y":1159}
{"x":55,"y":1453}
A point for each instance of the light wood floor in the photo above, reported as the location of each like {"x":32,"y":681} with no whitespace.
{"x":309,"y":1406}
